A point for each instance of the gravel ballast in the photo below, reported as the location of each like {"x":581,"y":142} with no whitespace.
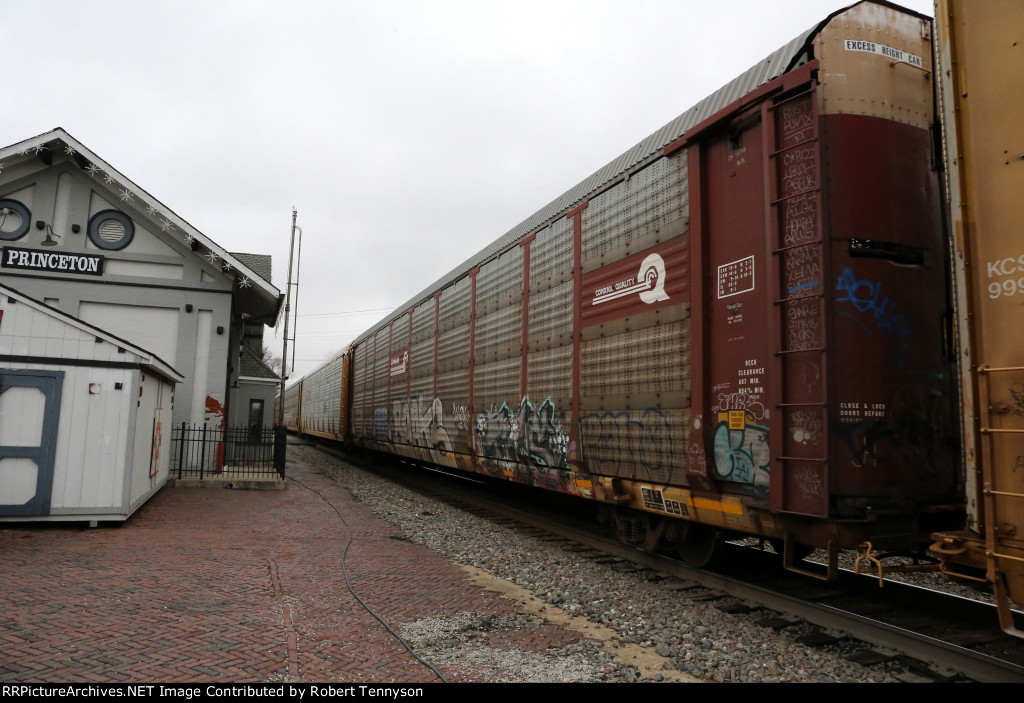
{"x":638,"y":616}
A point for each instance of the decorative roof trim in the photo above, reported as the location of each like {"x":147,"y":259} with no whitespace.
{"x":167,"y":219}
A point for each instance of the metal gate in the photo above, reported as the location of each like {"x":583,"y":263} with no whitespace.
{"x":201,"y":451}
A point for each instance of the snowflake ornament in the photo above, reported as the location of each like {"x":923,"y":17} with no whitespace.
{"x":150,"y":210}
{"x":189,"y":239}
{"x":127,"y":195}
{"x":92,"y":169}
{"x":212,"y":258}
{"x":244,"y":283}
{"x":225,"y":267}
{"x":107,"y":178}
{"x":40,"y":148}
{"x":166,"y":226}
{"x":70,"y":150}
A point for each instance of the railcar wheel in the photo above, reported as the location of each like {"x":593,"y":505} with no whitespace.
{"x":701,"y":546}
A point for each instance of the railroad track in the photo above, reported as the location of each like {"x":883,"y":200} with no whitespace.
{"x":938,"y":636}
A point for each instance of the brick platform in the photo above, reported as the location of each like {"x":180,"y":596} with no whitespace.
{"x":222,"y":586}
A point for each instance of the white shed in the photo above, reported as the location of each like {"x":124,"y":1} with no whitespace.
{"x":84,"y":417}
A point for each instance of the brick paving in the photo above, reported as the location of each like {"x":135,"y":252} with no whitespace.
{"x":219,"y":585}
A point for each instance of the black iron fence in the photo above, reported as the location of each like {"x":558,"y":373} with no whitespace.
{"x":229,"y":452}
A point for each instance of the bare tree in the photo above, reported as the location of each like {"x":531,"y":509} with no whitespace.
{"x":271,"y":359}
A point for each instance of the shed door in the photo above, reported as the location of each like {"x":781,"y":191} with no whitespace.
{"x":29,"y":408}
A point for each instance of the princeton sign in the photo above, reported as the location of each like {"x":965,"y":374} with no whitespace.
{"x":34,"y":260}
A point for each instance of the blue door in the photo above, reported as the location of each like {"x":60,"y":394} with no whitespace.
{"x":29,"y":412}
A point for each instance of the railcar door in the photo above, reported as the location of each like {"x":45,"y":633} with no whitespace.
{"x":738,"y":340}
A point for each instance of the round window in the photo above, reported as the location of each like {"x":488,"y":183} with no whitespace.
{"x":14,"y":220}
{"x":111,"y":230}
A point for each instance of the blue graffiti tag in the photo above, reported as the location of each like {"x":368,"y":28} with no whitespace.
{"x":866,"y":296}
{"x":742,"y":455}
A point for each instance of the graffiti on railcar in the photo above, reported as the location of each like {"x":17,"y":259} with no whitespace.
{"x":619,"y":444}
{"x":357,"y":421}
{"x":866,"y":297}
{"x":748,"y":402}
{"x":801,"y":270}
{"x":809,"y":482}
{"x":912,"y":426}
{"x":806,"y":427}
{"x":460,"y":416}
{"x":419,"y":421}
{"x":741,"y":452}
{"x":803,"y":324}
{"x":496,"y":433}
{"x":1017,"y":393}
{"x":380,"y":424}
{"x":528,"y":445}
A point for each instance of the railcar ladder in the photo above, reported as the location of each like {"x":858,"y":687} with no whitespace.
{"x":1002,"y":496}
{"x":799,"y":484}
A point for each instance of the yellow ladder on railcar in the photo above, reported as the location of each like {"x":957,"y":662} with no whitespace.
{"x":1002,"y":492}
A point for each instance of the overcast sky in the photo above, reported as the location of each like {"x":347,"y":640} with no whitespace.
{"x":407,"y":134}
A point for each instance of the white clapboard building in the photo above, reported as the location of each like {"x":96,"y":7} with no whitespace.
{"x":78,"y":235}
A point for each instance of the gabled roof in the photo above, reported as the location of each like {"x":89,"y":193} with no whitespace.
{"x":253,"y":291}
{"x":144,"y":358}
{"x":259,"y":263}
{"x":252,"y":366}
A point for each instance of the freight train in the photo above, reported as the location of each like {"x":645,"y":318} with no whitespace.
{"x":746,"y":325}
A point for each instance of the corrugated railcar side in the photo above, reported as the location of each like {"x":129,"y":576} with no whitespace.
{"x":325,"y":400}
{"x":292,"y":406}
{"x":736,"y":327}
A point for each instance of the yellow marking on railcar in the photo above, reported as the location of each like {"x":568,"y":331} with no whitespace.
{"x":716,"y":506}
{"x":584,"y":483}
{"x":737,"y":419}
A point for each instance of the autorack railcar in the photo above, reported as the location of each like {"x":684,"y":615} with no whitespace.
{"x":318,"y":403}
{"x":737,"y":327}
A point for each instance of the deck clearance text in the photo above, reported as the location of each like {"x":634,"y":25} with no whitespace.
{"x":28,"y":259}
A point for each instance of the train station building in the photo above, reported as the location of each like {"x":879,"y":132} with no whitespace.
{"x":89,"y":249}
{"x":81,"y":237}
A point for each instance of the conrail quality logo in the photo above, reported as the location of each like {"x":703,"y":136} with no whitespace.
{"x":649,"y":284}
{"x":399,"y":364}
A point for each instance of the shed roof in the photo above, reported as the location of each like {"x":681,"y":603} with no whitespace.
{"x":144,"y":358}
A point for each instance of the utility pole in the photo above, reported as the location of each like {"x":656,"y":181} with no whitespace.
{"x":287,"y":314}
